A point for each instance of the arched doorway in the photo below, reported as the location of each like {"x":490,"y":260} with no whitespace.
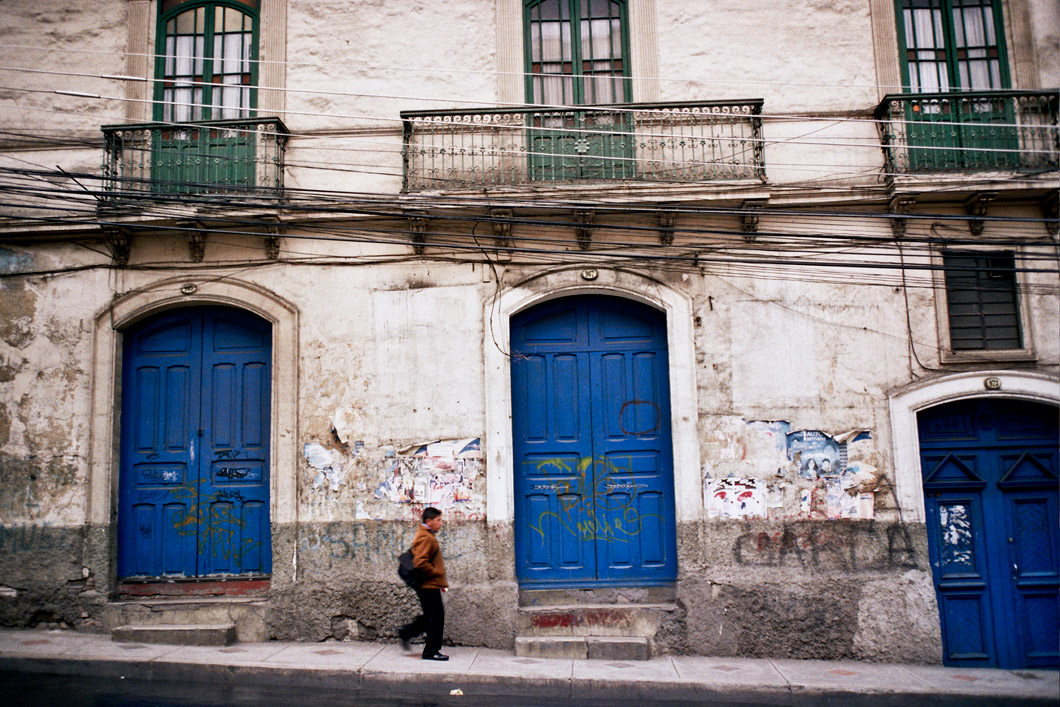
{"x":990,"y":478}
{"x":592,"y":448}
{"x":195,"y":434}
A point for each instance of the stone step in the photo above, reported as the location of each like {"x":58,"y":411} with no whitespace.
{"x":246,"y":614}
{"x":598,"y":595}
{"x":618,"y":620}
{"x":584,"y":647}
{"x":177,"y":634}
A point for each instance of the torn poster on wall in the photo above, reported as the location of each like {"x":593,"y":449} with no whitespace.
{"x":736,"y":498}
{"x":439,"y":474}
{"x":328,"y":464}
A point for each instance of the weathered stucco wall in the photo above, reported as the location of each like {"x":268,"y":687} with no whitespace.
{"x":801,"y":548}
{"x":800,"y":538}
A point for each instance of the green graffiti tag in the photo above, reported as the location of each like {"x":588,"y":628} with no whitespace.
{"x":598,"y":497}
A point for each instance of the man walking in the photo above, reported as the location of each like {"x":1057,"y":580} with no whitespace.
{"x":430,"y":569}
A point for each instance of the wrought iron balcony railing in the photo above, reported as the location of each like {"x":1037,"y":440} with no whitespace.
{"x":208,"y":157}
{"x":969,"y":131}
{"x":673,"y":142}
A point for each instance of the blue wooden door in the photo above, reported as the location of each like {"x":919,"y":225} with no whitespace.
{"x":991,"y":475}
{"x":591,"y":433}
{"x":194,"y":479}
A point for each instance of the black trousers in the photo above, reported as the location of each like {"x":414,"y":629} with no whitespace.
{"x":431,"y":621}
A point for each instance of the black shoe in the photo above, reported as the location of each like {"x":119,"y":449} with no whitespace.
{"x":436,"y":656}
{"x":405,"y":645}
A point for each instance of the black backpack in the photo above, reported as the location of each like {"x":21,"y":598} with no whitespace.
{"x":407,"y":570}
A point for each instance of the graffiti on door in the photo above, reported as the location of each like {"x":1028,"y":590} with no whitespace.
{"x":597,"y":497}
{"x":212,"y":520}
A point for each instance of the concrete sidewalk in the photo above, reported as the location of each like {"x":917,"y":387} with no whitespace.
{"x":482,"y":675}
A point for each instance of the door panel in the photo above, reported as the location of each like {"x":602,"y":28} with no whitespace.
{"x":590,"y":402}
{"x":991,"y":494}
{"x":193,"y":497}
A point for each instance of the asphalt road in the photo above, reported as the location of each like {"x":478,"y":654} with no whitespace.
{"x":38,"y":690}
{"x":41,"y":690}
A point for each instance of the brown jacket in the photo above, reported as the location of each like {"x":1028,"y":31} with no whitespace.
{"x":427,"y":559}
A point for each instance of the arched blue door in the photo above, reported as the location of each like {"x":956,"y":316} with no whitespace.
{"x":991,"y":472}
{"x":194,"y":479}
{"x":593,"y":460}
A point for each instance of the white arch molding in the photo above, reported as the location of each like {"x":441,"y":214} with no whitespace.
{"x":166,"y":294}
{"x":500,"y":499}
{"x":906,"y":403}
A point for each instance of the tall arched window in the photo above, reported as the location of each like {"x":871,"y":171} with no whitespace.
{"x":576,"y":52}
{"x":207,"y":60}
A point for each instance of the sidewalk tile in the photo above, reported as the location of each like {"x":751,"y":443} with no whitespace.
{"x":242,"y":654}
{"x":849,"y":676}
{"x":50,"y":643}
{"x":325,"y":656}
{"x":504,"y":664}
{"x":729,"y":671}
{"x":394,"y":660}
{"x":987,"y":681}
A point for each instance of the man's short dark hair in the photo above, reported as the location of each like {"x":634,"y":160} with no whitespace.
{"x":430,"y":513}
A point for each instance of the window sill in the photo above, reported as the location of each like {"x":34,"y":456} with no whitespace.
{"x":998,"y":355}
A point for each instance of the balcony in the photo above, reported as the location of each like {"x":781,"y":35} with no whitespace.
{"x":673,"y":143}
{"x":203,"y":158}
{"x":969,"y":131}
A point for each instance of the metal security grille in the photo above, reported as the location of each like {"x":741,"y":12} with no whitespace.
{"x":208,"y":67}
{"x":982,"y":302}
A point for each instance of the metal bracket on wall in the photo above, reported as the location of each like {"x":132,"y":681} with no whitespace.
{"x":899,"y":206}
{"x":750,"y":216}
{"x":976,"y":207}
{"x":418,"y":233}
{"x":584,"y":229}
{"x":117,"y":240}
{"x":502,"y":233}
{"x":666,"y":227}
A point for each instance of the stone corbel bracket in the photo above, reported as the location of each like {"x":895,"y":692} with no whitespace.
{"x":196,"y":240}
{"x":751,"y":211}
{"x":118,"y":242}
{"x":271,"y":235}
{"x":417,"y":233}
{"x":502,"y":232}
{"x":666,"y":227}
{"x":1051,"y":211}
{"x":899,"y":207}
{"x":977,"y":207}
{"x":584,"y":228}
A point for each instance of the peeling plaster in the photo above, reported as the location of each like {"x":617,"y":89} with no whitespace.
{"x":385,"y":483}
{"x":764,"y":469}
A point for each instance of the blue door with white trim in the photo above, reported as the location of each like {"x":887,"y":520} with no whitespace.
{"x":194,"y":477}
{"x":991,"y":470}
{"x":593,"y":459}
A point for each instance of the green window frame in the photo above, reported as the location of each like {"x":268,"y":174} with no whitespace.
{"x":951,"y":45}
{"x":577,"y":54}
{"x":206,"y":72}
{"x":206,"y":60}
{"x":949,"y":48}
{"x":982,"y":301}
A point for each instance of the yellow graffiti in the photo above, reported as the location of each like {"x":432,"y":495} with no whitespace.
{"x":589,"y":508}
{"x":214,"y":527}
